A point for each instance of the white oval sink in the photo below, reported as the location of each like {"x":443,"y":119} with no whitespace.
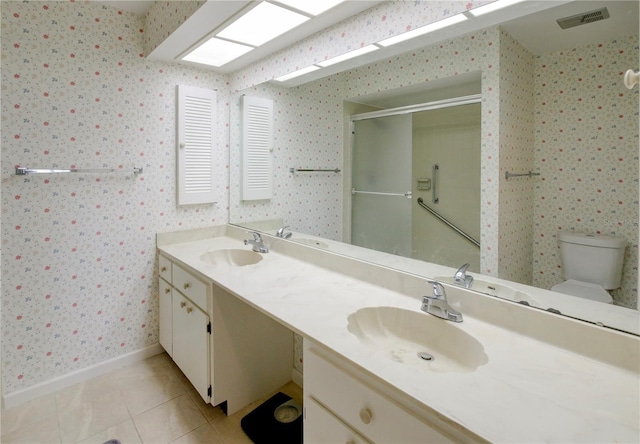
{"x":410,"y":337}
{"x":500,"y":291}
{"x":231,"y":256}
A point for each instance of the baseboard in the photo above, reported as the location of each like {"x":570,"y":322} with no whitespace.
{"x":296,"y":377}
{"x":47,"y":387}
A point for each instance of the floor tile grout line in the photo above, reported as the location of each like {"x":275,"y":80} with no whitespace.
{"x":57,"y":412}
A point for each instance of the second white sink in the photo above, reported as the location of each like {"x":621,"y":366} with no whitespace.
{"x":232,"y":256}
{"x":417,"y":339}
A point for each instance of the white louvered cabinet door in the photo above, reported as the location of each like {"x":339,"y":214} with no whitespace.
{"x":257,"y":148}
{"x":195,"y":134}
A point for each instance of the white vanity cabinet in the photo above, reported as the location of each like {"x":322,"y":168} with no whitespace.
{"x":342,"y":406}
{"x":230,"y":352}
{"x":185,"y":327}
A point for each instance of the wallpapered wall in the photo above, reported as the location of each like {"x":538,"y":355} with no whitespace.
{"x":79,"y":285}
{"x":516,"y":156}
{"x":586,"y":149}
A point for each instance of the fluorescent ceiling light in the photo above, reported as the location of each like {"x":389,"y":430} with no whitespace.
{"x":297,"y":73}
{"x":216,"y":52}
{"x":486,"y":9}
{"x":423,"y":30}
{"x":312,"y":7}
{"x":261,"y":24}
{"x":348,"y":55}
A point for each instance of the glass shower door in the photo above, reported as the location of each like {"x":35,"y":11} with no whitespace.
{"x":381,"y":179}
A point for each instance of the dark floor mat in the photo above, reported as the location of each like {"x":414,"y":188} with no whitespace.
{"x":262,"y":426}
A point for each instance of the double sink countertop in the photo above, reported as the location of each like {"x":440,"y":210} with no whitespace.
{"x":546,"y":378}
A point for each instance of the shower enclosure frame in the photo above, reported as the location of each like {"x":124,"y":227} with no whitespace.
{"x":348,"y":167}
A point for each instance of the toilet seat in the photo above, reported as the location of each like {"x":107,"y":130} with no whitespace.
{"x":584,"y":290}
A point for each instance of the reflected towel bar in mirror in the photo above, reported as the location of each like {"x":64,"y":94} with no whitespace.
{"x":311,"y":170}
{"x":24,"y":171}
{"x":508,"y":175}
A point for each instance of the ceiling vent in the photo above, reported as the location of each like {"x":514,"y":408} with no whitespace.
{"x":583,"y":18}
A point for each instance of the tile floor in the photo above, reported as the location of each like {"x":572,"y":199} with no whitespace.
{"x":148,"y":402}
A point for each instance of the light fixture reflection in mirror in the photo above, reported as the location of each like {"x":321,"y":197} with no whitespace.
{"x":556,"y":114}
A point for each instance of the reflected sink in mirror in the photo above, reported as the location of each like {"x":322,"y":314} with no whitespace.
{"x":233,"y":257}
{"x":498,"y":290}
{"x":417,"y":339}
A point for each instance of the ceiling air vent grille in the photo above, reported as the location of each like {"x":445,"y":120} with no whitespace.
{"x":584,"y":18}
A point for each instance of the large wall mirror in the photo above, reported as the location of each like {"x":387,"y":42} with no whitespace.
{"x":480,"y":111}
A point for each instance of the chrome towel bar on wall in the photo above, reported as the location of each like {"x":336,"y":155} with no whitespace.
{"x":20,"y":171}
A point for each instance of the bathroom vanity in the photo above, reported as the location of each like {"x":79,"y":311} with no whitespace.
{"x":507,"y":373}
{"x":211,"y":336}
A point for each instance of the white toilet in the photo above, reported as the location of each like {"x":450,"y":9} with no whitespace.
{"x":592,"y":264}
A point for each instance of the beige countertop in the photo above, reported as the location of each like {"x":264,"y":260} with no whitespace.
{"x":539,"y":384}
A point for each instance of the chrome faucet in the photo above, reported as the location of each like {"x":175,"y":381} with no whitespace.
{"x":284,"y":234}
{"x":461,"y":277}
{"x":437,"y":304}
{"x":257,"y":242}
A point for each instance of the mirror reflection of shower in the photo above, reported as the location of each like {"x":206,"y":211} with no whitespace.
{"x":415,"y":181}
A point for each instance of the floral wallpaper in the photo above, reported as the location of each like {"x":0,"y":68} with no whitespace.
{"x":78,"y":251}
{"x":516,"y":156}
{"x":586,"y":150}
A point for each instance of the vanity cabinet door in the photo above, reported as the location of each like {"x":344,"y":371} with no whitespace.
{"x":321,"y":427}
{"x":191,"y":343}
{"x":166,"y":321}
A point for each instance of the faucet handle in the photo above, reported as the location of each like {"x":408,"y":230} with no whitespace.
{"x":461,"y":277}
{"x":438,"y":290}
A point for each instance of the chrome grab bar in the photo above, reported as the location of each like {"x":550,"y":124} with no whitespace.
{"x":434,"y":183}
{"x":408,"y":194}
{"x":449,"y":224}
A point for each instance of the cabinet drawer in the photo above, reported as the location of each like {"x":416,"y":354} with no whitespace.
{"x":374,"y":416}
{"x":321,"y":427}
{"x":164,"y":268}
{"x":190,"y":286}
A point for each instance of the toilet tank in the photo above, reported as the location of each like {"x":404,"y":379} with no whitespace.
{"x":592,"y":258}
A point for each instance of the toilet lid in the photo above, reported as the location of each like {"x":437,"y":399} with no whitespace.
{"x":583,"y":290}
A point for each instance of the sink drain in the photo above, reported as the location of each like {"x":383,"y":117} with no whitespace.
{"x":425,"y":356}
